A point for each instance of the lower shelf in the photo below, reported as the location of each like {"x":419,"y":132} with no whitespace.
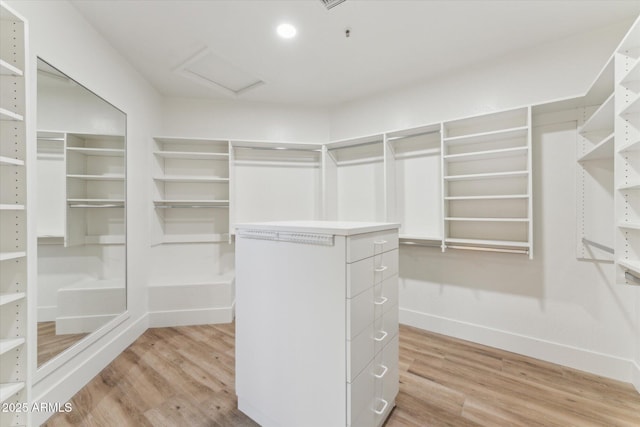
{"x":6,"y":345}
{"x":494,"y":243}
{"x":9,"y":389}
{"x":632,"y":266}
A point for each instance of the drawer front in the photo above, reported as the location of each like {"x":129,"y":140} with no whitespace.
{"x":385,"y":296}
{"x":360,"y":394}
{"x":365,"y":273}
{"x":360,"y":352}
{"x":385,"y":328}
{"x":366,"y":245}
{"x":360,"y":312}
{"x":387,"y":380}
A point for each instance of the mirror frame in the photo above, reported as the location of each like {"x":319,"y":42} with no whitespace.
{"x":74,"y":350}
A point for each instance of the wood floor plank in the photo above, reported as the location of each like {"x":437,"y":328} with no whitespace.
{"x":184,"y":376}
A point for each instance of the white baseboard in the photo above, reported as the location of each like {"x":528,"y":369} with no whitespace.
{"x":636,"y":376}
{"x":79,"y":373}
{"x":47,"y":313}
{"x":597,"y":363}
{"x":82,"y":324}
{"x":201,"y":316}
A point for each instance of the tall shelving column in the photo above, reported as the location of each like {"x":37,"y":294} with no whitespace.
{"x":595,"y":169}
{"x":627,"y":158}
{"x":13,"y":217}
{"x":487,"y":182}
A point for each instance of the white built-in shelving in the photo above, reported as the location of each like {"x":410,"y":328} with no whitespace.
{"x":191,"y":190}
{"x":595,"y":147}
{"x":486,"y":182}
{"x":627,"y":158}
{"x":412,"y":190}
{"x":14,"y":367}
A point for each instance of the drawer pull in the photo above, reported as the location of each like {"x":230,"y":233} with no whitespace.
{"x":384,"y":407}
{"x":384,"y":335}
{"x":381,"y":268}
{"x":381,"y":301}
{"x":384,"y":372}
{"x":379,"y":242}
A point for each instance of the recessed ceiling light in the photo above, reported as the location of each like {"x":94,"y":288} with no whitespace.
{"x":286,"y":31}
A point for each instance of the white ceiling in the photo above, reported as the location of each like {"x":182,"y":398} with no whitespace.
{"x":393,"y":43}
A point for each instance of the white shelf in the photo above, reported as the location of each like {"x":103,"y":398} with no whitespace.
{"x":195,"y":238}
{"x":491,"y":197}
{"x":191,"y":179}
{"x":106,"y":239}
{"x":6,"y":345}
{"x":601,"y":119}
{"x":630,"y":225}
{"x":479,"y":242}
{"x":633,"y":75}
{"x":112,"y":177}
{"x":7,"y":115}
{"x":632,"y":108}
{"x":7,"y":69}
{"x":513,"y":174}
{"x":13,"y":297}
{"x":420,"y":237}
{"x":630,"y":265}
{"x":11,"y":162}
{"x":629,"y":187}
{"x":602,"y":150}
{"x":488,"y":154}
{"x":10,"y":207}
{"x":631,"y":146}
{"x":105,"y":152}
{"x":7,"y":256}
{"x":95,"y":203}
{"x":484,"y":219}
{"x":191,"y":203}
{"x":9,"y":389}
{"x":191,"y":155}
{"x":496,"y":135}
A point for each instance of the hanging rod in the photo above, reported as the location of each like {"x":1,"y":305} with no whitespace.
{"x":430,"y":132}
{"x":632,"y":277}
{"x":279,"y":148}
{"x":488,"y":249}
{"x":189,"y":206}
{"x":597,"y":245}
{"x":360,"y":144}
{"x":111,"y":205}
{"x":425,"y":244}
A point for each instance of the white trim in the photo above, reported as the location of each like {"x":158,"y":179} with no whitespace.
{"x":585,"y":360}
{"x":636,"y":375}
{"x":70,"y":383}
{"x":201,"y":316}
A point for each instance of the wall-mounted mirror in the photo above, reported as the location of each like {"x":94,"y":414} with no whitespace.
{"x":80,"y":212}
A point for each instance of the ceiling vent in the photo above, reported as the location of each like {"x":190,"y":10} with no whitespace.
{"x":331,"y":3}
{"x":208,"y":69}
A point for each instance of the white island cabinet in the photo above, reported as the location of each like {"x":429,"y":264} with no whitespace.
{"x":317,"y":322}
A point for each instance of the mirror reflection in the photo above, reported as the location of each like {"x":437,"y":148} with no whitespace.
{"x":80,"y":212}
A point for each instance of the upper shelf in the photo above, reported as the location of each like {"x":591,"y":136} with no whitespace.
{"x":105,"y":152}
{"x":496,"y":135}
{"x":7,"y":115}
{"x":191,"y":179}
{"x":601,"y":119}
{"x":7,"y":256}
{"x":192,"y":155}
{"x":633,"y":107}
{"x":6,"y":69}
{"x":602,"y":150}
{"x":110,"y":177}
{"x":514,"y":174}
{"x":488,"y":154}
{"x":633,"y":75}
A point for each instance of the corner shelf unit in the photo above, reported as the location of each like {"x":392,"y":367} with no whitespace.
{"x":87,"y":171}
{"x":626,"y":158}
{"x":14,"y":367}
{"x":191,"y":190}
{"x":594,"y":169}
{"x":487,"y":184}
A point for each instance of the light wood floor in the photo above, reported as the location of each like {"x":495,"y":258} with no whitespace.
{"x":50,"y":344}
{"x":184,"y":376}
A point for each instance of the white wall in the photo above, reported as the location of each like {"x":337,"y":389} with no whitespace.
{"x":62,"y":37}
{"x":554,"y":307}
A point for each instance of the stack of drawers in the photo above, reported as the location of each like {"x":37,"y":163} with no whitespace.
{"x":372,"y":327}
